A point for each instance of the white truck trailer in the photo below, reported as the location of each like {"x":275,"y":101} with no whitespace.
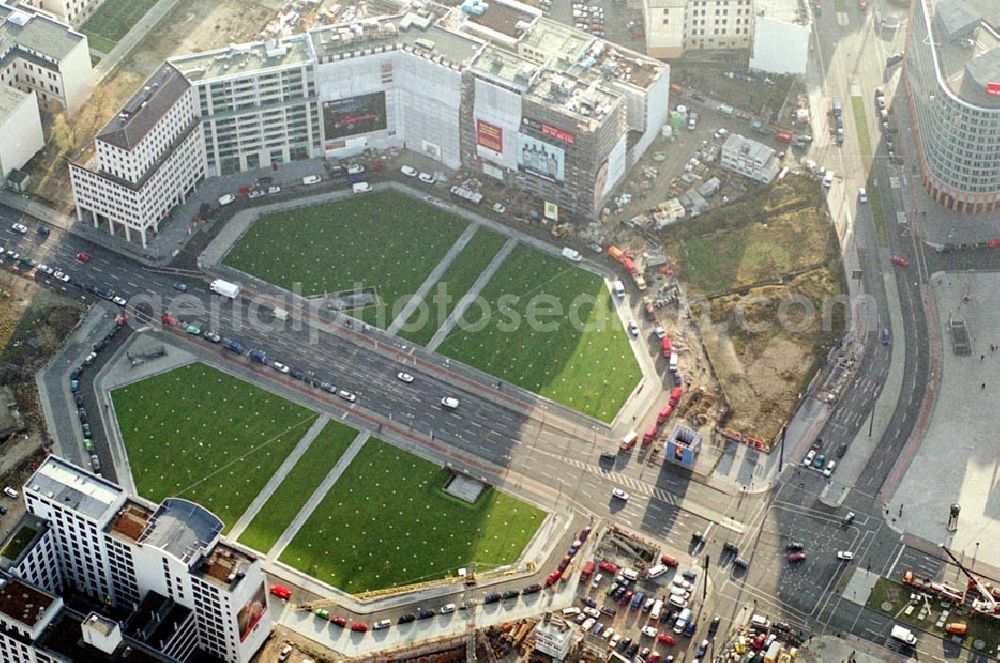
{"x":224,"y":288}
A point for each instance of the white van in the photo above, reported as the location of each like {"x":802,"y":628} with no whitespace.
{"x":569,"y":612}
{"x":673,"y":361}
{"x":828,"y":179}
{"x":657,"y":570}
{"x":361,"y":187}
{"x":311,"y":179}
{"x":725,"y":109}
{"x":587,"y":624}
{"x":682,"y":620}
{"x":654,"y":614}
{"x":619,"y":289}
{"x":629,"y":440}
{"x":760,"y":621}
{"x":10,"y":492}
{"x":630,"y":574}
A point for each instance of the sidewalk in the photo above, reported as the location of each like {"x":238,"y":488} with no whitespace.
{"x":272,"y":484}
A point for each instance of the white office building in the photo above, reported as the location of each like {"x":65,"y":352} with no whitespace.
{"x":749,"y":158}
{"x":41,"y":55}
{"x":163,"y":563}
{"x":73,"y":12}
{"x":676,"y":26}
{"x":21,"y":128}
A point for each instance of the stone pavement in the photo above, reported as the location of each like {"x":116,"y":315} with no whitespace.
{"x":276,"y":480}
{"x":439,"y":269}
{"x":830,"y":649}
{"x":473,"y":292}
{"x":957,"y":460}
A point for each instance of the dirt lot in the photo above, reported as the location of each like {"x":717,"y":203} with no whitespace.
{"x":33,"y":324}
{"x":303,"y":648}
{"x":760,"y":274}
{"x":193,"y":25}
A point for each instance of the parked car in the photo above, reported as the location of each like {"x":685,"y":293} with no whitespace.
{"x":409,"y":171}
{"x":796,"y":557}
{"x":901,"y":261}
{"x":620,"y":494}
{"x":404,"y":377}
{"x":845,"y":555}
{"x":19,"y":228}
{"x":83,"y":257}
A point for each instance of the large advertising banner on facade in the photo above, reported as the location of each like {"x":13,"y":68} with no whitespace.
{"x":540,"y":158}
{"x":251,"y":613}
{"x":610,"y":173}
{"x":489,"y":136}
{"x":354,"y":115}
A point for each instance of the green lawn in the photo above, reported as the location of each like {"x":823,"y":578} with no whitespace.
{"x":200,"y":434}
{"x":588,"y":367}
{"x":112,"y":21}
{"x":387,"y":522}
{"x":867,"y":157}
{"x":310,"y":470}
{"x":384,"y":240}
{"x":454,"y":283}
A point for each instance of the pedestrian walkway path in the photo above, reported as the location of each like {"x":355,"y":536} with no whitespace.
{"x":431,"y":279}
{"x":272,"y":485}
{"x":317,"y":496}
{"x":471,"y":295}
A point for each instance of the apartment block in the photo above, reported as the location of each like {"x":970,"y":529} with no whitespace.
{"x":164,"y":566}
{"x":41,"y":55}
{"x":676,"y":26}
{"x":749,"y":158}
{"x":72,"y":12}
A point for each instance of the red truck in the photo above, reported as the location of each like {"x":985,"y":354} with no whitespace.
{"x":784,"y":136}
{"x":650,"y":434}
{"x":675,"y":395}
{"x":664,"y":414}
{"x":666,"y":347}
{"x":587,"y":571}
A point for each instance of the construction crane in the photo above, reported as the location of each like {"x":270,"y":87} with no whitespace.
{"x":987,"y":603}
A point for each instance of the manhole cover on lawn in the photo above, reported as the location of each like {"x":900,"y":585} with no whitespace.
{"x":978,"y":644}
{"x":886,"y":606}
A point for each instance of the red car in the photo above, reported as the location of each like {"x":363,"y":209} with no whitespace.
{"x":359,"y":627}
{"x":608,"y":566}
{"x":797,"y":557}
{"x":82,"y":257}
{"x":900,"y":260}
{"x":281,"y":592}
{"x":666,"y":639}
{"x":667,"y":560}
{"x":553,"y":577}
{"x":862,"y":5}
{"x":675,"y":395}
{"x":338,"y":620}
{"x":348,"y":121}
{"x":564,"y":563}
{"x":169,"y":320}
{"x":993,"y":243}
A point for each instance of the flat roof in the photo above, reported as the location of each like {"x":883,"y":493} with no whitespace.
{"x":63,"y":636}
{"x":184,"y":529}
{"x":131,"y":521}
{"x":504,"y":18}
{"x":75,"y":488}
{"x":36,"y":32}
{"x":225,"y":564}
{"x":505,"y":66}
{"x":242,"y":59}
{"x":146,"y":107}
{"x":556,"y":40}
{"x":10,"y":100}
{"x":968,"y":52}
{"x":588,"y":101}
{"x":420,"y":34}
{"x":781,"y":10}
{"x":24,"y":603}
{"x":23,"y":537}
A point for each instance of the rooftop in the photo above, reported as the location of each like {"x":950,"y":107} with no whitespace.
{"x":225,"y":565}
{"x":26,"y":532}
{"x":505,"y":66}
{"x":24,"y":603}
{"x":183,"y":529}
{"x":10,"y":100}
{"x":588,"y":101}
{"x":411,"y":31}
{"x":547,"y":40}
{"x":141,"y":113}
{"x":781,"y":10}
{"x":155,"y":620}
{"x":510,"y":19}
{"x":75,"y":488}
{"x":63,"y":636}
{"x":966,"y":39}
{"x":131,"y":520}
{"x":242,"y":59}
{"x":36,"y":32}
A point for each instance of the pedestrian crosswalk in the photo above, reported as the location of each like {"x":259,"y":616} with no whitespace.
{"x":632,"y":485}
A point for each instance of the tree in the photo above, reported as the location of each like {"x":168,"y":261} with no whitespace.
{"x":62,"y":134}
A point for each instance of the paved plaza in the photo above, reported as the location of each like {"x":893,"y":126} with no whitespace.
{"x":957,"y":461}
